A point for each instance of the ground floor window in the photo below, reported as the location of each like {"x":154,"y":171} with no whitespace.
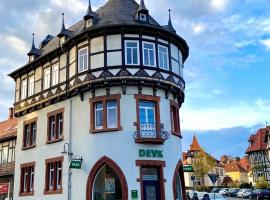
{"x":27,"y":179}
{"x":107,"y":185}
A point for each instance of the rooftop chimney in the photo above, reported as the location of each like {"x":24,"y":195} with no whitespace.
{"x":11,"y":113}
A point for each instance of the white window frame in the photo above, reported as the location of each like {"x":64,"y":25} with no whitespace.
{"x":55,"y":74}
{"x":24,"y":89}
{"x":31,"y":86}
{"x":59,"y":172}
{"x":138,"y":52}
{"x":60,"y":125}
{"x":146,"y":108}
{"x":116,"y":111}
{"x":25,"y":180}
{"x":148,"y":51}
{"x":84,"y":56}
{"x":47,"y":78}
{"x":51,"y":176}
{"x":52,"y":128}
{"x":163,"y":54}
{"x":98,"y":110}
{"x":142,"y":17}
{"x":32,"y":174}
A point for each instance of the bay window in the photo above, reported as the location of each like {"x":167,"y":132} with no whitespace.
{"x":47,"y":78}
{"x":176,"y":60}
{"x":55,"y":74}
{"x":55,"y":126}
{"x":29,"y":133}
{"x":149,"y":54}
{"x":82,"y":60}
{"x":132,"y":52}
{"x":24,"y":89}
{"x":31,"y":86}
{"x":53,"y":182}
{"x":105,"y":113}
{"x":163,"y":57}
{"x":27,"y":179}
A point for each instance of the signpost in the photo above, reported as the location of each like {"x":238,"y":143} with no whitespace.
{"x":193,"y":184}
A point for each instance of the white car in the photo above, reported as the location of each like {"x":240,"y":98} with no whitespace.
{"x":244,"y":193}
{"x":224,"y":191}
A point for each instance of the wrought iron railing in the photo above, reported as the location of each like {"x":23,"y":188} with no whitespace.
{"x":150,"y":131}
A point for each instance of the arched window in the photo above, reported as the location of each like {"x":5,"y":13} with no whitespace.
{"x":106,"y":181}
{"x":179,"y":183}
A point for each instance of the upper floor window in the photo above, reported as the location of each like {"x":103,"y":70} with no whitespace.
{"x":147,"y":112}
{"x":27,"y":179}
{"x":29,"y":133}
{"x":47,"y":78}
{"x":55,"y":126}
{"x":142,"y":17}
{"x":55,"y":74}
{"x":53,"y":183}
{"x":83,"y":59}
{"x":176,"y":60}
{"x":7,"y":152}
{"x":105,"y":113}
{"x":163,"y":57}
{"x":149,"y":55}
{"x":31,"y":86}
{"x":175,"y":121}
{"x":132,"y":52}
{"x":24,"y":89}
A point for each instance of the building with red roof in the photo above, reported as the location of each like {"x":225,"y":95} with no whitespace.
{"x":258,"y":153}
{"x":8,"y":135}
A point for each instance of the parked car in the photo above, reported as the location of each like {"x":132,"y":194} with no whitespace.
{"x":244,"y":193}
{"x":260,"y":194}
{"x":233,"y":192}
{"x":215,"y":190}
{"x":224,"y":191}
{"x":217,"y":196}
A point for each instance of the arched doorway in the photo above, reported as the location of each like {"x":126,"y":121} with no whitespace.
{"x":106,"y":181}
{"x":179,"y":183}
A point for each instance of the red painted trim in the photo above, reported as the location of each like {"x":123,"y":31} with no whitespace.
{"x":179,"y":169}
{"x":92,"y":175}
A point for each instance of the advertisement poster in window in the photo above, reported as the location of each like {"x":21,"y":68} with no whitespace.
{"x":110,"y":185}
{"x":4,"y":188}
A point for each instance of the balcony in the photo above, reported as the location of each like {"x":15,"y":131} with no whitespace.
{"x":151,"y":133}
{"x":7,"y":169}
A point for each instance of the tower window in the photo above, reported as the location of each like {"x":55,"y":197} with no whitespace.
{"x":132,"y":52}
{"x":82,"y":60}
{"x":143,"y":17}
{"x":175,"y":121}
{"x":149,"y":57}
{"x":163,"y":57}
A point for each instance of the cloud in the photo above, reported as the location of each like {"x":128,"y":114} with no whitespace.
{"x":198,"y":28}
{"x":266,"y":43}
{"x":219,"y":5}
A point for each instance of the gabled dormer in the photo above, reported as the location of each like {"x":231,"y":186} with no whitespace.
{"x":34,"y":52}
{"x":64,"y":33}
{"x":142,"y":14}
{"x":90,"y":17}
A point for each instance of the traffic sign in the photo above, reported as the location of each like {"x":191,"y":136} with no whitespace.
{"x":75,"y":164}
{"x":213,"y":178}
{"x":188,"y":168}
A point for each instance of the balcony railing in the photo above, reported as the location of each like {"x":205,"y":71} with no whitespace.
{"x":150,"y":133}
{"x":7,"y":169}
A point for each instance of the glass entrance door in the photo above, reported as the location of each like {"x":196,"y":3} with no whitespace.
{"x":151,"y":183}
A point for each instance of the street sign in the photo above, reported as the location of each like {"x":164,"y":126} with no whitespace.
{"x":213,"y":178}
{"x":134,"y":194}
{"x":75,"y":164}
{"x":188,"y":168}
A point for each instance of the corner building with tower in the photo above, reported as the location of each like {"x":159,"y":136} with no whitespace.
{"x":98,"y":110}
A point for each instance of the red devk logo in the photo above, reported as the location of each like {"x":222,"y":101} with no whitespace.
{"x":4,"y":188}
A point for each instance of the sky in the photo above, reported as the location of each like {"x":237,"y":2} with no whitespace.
{"x":227,"y":95}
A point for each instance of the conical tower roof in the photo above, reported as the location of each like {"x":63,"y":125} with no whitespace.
{"x":195,"y":146}
{"x":34,"y":50}
{"x":90,"y":14}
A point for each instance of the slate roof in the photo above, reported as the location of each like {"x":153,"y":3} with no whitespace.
{"x":8,"y":129}
{"x":234,"y":166}
{"x":257,"y":141}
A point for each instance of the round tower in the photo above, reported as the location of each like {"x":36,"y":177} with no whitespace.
{"x":98,"y":109}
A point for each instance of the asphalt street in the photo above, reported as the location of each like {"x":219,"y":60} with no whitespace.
{"x":234,"y":198}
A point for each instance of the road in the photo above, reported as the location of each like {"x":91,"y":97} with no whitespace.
{"x":234,"y":198}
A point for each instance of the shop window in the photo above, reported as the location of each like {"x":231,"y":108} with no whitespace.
{"x":105,"y":113}
{"x":149,"y":55}
{"x":31,"y":86}
{"x":175,"y":121}
{"x":53,"y":183}
{"x":82,"y":59}
{"x":27,"y":179}
{"x":163,"y":57}
{"x":132,"y":52}
{"x":55,"y":126}
{"x":29,"y":134}
{"x":55,"y":74}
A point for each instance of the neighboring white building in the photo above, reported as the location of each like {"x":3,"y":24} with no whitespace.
{"x":107,"y":90}
{"x":189,"y":159}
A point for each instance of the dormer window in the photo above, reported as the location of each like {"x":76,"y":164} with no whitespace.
{"x":62,"y":40}
{"x":143,"y":17}
{"x":89,"y":23}
{"x":31,"y":58}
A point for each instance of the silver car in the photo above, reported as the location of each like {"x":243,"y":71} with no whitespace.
{"x":244,"y":193}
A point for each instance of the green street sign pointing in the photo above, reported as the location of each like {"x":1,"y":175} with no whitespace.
{"x":188,"y":168}
{"x":75,"y":164}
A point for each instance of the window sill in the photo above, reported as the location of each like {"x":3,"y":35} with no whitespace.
{"x":29,"y":147}
{"x":106,"y":130}
{"x":51,"y":192}
{"x":24,"y":194}
{"x":54,"y":141}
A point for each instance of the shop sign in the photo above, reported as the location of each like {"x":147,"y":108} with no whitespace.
{"x":149,"y":153}
{"x":75,"y":164}
{"x":134,"y":194}
{"x":4,"y":188}
{"x":188,"y":168}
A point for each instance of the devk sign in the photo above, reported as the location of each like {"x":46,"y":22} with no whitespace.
{"x":4,"y":188}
